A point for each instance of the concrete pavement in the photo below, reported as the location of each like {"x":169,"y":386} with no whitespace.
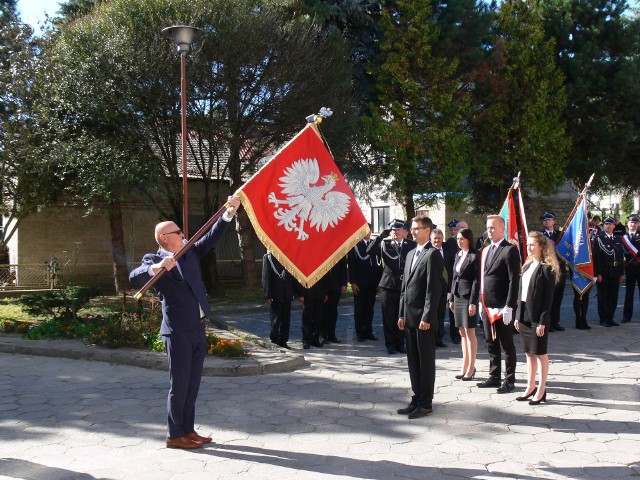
{"x":75,"y":419}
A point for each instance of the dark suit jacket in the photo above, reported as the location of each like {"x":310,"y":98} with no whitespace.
{"x":365,"y":272}
{"x":502,"y":277}
{"x":276,"y":288}
{"x":466,"y":284}
{"x":422,"y":289}
{"x":181,"y":295}
{"x":539,"y":296}
{"x":337,"y":276}
{"x":394,"y":259}
{"x":608,"y":256}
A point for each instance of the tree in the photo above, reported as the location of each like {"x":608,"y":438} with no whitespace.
{"x":26,"y":181}
{"x":520,"y":126}
{"x":418,"y":129}
{"x":598,"y":50}
{"x":256,"y":72}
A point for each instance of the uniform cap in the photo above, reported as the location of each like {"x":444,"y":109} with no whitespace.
{"x":397,"y":224}
{"x":548,"y":216}
{"x":453,"y":223}
{"x":633,"y":218}
{"x":609,"y":220}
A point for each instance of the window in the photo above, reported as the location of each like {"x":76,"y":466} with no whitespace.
{"x":379,"y":218}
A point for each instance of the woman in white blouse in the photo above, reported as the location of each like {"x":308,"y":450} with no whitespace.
{"x":539,"y":276}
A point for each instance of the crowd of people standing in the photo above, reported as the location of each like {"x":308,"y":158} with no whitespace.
{"x":419,"y":277}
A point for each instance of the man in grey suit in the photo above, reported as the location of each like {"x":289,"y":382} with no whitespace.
{"x":419,"y":300}
{"x":499,"y":281}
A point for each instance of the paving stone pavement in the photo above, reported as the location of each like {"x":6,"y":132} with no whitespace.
{"x":62,"y":418}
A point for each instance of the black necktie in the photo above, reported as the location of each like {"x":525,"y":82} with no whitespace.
{"x":490,"y":254}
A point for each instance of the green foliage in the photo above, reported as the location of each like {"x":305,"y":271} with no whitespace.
{"x":598,"y":50}
{"x":120,"y":330}
{"x":60,"y":304}
{"x":418,"y":127}
{"x":520,"y":127}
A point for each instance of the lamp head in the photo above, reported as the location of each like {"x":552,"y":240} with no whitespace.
{"x":182,"y":36}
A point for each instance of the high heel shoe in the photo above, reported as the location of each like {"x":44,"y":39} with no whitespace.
{"x":537,"y":402}
{"x":460,"y":377}
{"x":527,"y":397}
{"x":467,"y":379}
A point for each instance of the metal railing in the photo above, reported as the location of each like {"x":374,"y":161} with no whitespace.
{"x":26,"y":276}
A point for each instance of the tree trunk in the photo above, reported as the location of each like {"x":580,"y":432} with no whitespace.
{"x":249,"y":276}
{"x":120,"y":270}
{"x":409,"y":205}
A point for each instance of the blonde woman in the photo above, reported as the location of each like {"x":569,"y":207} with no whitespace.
{"x":540,"y":274}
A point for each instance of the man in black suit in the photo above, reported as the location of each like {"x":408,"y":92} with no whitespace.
{"x":452,"y":244}
{"x":608,"y":257}
{"x":437,"y":237}
{"x":394,"y":253}
{"x":499,"y":281}
{"x":185,"y":310}
{"x":277,"y":285}
{"x":337,"y":285}
{"x":365,"y":270}
{"x":420,"y":299}
{"x":549,"y":231}
{"x":313,"y":300}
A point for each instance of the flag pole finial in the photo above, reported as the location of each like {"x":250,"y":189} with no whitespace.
{"x":316,"y":118}
{"x":588,"y":184}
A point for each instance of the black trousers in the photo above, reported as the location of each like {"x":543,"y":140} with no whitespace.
{"x":280,"y":313}
{"x":632,"y":279}
{"x":442,"y":310}
{"x":421,"y":358}
{"x":185,"y":352}
{"x":390,"y":303}
{"x":504,"y":338}
{"x":607,"y":298}
{"x":580,"y":307}
{"x":330,"y":314}
{"x":558,"y":295}
{"x":363,"y":304}
{"x":312,"y":312}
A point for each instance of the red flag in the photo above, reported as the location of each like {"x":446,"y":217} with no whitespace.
{"x":302,"y":209}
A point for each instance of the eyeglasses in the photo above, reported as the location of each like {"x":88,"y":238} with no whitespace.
{"x":177,"y":232}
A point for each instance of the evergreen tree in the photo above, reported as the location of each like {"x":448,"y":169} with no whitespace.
{"x":598,"y":50}
{"x":520,"y":127}
{"x":417,"y":130}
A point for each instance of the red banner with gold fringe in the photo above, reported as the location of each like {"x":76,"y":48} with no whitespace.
{"x":302,"y":209}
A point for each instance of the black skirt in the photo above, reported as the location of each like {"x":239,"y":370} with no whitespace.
{"x":531,"y":343}
{"x":461,"y":313}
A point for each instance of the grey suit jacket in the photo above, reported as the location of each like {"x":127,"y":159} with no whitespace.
{"x":422,"y":288}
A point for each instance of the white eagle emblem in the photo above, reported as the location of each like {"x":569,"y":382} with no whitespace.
{"x":306,"y":201}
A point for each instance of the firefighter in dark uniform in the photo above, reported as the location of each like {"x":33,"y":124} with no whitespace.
{"x":394,"y":254}
{"x":365,"y":271}
{"x":549,"y":231}
{"x":631,"y":242}
{"x":608,"y":257}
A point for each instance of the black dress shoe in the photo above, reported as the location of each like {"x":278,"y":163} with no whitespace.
{"x":537,"y":402}
{"x":506,"y":387}
{"x":419,"y":412}
{"x":361,"y":338}
{"x":285,"y":345}
{"x":306,"y":345}
{"x":583,"y":326}
{"x":489,"y":383}
{"x":391,"y":350}
{"x":407,"y":410}
{"x":334,"y":339}
{"x":371,"y":336}
{"x":316,"y":343}
{"x":605,"y":324}
{"x":558,"y":328}
{"x":612,"y":323}
{"x":625,"y":320}
{"x":441,"y":344}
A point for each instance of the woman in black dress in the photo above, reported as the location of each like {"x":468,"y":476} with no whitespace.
{"x":539,"y":276}
{"x":463,"y":300}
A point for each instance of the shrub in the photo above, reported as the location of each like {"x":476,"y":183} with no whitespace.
{"x":59,"y":304}
{"x":225,"y":348}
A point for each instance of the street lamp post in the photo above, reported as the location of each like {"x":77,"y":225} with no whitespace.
{"x":182,"y":36}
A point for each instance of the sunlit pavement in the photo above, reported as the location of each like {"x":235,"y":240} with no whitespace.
{"x":76,"y":419}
